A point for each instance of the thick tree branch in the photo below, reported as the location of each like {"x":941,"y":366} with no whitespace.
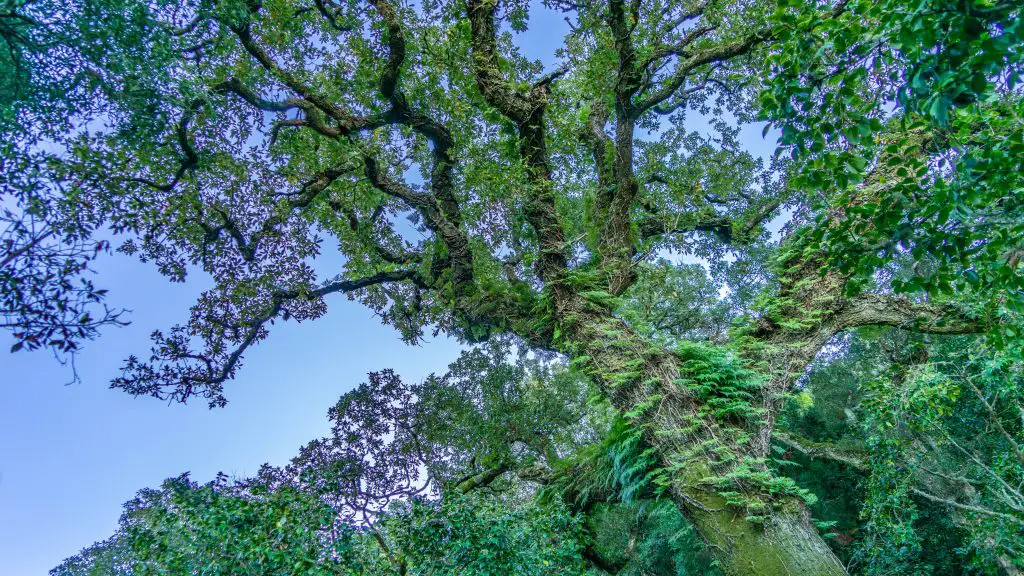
{"x":191,"y":158}
{"x":235,"y":86}
{"x":617,"y":237}
{"x":481,"y":479}
{"x":526,"y":110}
{"x":448,"y":222}
{"x":820,"y":450}
{"x":498,"y":91}
{"x":890,"y":310}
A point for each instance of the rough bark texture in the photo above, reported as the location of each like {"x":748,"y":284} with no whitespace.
{"x":787,"y":543}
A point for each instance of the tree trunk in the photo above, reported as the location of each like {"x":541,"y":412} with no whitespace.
{"x":786,"y":544}
{"x":640,"y":379}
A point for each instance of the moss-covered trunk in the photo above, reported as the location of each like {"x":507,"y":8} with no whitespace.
{"x":709,"y":462}
{"x":785,"y":544}
{"x":780,"y":539}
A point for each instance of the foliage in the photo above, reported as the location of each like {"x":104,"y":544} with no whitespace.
{"x":47,"y":297}
{"x":487,"y":537}
{"x":248,"y":528}
{"x":681,"y":302}
{"x":184,"y":528}
{"x":911,"y":416}
{"x":111,"y":557}
{"x":499,"y":200}
{"x":950,"y":159}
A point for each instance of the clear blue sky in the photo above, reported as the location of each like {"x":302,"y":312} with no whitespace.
{"x":71,"y":455}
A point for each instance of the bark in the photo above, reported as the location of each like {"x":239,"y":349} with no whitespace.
{"x":786,"y":543}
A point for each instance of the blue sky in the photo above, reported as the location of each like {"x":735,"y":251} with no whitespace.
{"x":71,"y":455}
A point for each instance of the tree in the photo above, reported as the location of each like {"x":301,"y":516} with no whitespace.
{"x":237,"y":133}
{"x":392,"y":490}
{"x":934,"y":422}
{"x":421,"y":478}
{"x":47,"y":299}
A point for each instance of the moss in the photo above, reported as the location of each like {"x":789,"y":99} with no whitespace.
{"x":780,"y":544}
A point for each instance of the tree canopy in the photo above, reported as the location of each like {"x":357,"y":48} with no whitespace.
{"x":861,"y":366}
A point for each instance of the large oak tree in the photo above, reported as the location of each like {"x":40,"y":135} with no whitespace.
{"x":473,"y":192}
